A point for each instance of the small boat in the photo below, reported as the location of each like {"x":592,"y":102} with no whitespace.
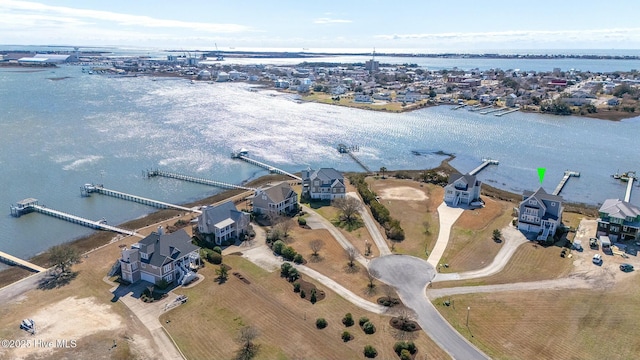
{"x":624,"y":176}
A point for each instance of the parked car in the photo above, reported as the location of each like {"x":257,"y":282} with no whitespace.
{"x":626,"y":267}
{"x":593,"y":243}
{"x":597,"y":259}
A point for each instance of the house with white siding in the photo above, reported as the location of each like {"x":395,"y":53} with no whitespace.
{"x":222,"y":222}
{"x":323,"y":184}
{"x":540,"y":212}
{"x":278,"y":198}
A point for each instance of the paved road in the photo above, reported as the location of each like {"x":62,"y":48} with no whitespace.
{"x":556,"y":284}
{"x":512,"y":240}
{"x":14,"y":291}
{"x":447,"y":216}
{"x":410,"y":276}
{"x":373,"y":229}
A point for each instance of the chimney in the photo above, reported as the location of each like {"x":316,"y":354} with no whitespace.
{"x":160,"y":230}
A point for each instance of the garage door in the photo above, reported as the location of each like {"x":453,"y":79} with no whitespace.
{"x":147,"y":277}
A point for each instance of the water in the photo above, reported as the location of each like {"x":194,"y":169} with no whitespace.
{"x":57,"y":135}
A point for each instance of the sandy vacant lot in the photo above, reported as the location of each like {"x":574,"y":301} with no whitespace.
{"x":403,"y":193}
{"x":69,"y":319}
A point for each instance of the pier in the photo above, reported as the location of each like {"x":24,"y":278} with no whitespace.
{"x":627,"y":195}
{"x":12,"y":260}
{"x":507,"y":112}
{"x":31,"y":205}
{"x":458,"y":107}
{"x":563,"y":182}
{"x":220,"y":184}
{"x":480,"y":108}
{"x":272,"y":169}
{"x":87,"y":189}
{"x":343,"y":149}
{"x":485,"y":163}
{"x":492,"y":110}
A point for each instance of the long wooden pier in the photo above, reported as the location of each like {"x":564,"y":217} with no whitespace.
{"x":87,"y":189}
{"x":563,"y":182}
{"x":485,"y":163}
{"x":492,"y":110}
{"x":480,"y":108}
{"x":507,"y":112}
{"x":627,"y":195}
{"x":272,"y":169}
{"x":10,"y":259}
{"x":197,"y":180}
{"x":31,"y":205}
{"x":458,"y":107}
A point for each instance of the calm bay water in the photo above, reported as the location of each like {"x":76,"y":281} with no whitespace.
{"x":56,"y":135}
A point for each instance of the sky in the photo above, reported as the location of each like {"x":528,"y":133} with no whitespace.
{"x":406,"y":26}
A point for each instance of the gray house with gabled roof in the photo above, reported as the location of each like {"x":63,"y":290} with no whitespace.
{"x":323,"y":184}
{"x":160,"y":256}
{"x":278,"y":198}
{"x":540,"y":212}
{"x":222,"y":222}
{"x":462,"y":189}
{"x":619,"y":220}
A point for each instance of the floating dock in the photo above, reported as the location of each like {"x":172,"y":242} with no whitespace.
{"x":197,"y":180}
{"x":31,"y":205}
{"x":563,"y":182}
{"x":507,"y":112}
{"x":10,"y":259}
{"x":87,"y":189}
{"x":344,"y":149}
{"x":485,"y":163}
{"x":627,"y":195}
{"x":272,"y":169}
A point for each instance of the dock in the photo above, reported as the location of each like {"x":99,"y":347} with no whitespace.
{"x":481,"y":108}
{"x":88,"y":189}
{"x":197,"y":180}
{"x":31,"y":205}
{"x":492,"y":110}
{"x":485,"y":163}
{"x":272,"y":169}
{"x":627,"y":195}
{"x":506,"y":112}
{"x":12,"y":260}
{"x":458,"y":107}
{"x":344,"y":149}
{"x":563,"y":182}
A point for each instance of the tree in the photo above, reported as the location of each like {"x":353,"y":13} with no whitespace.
{"x":247,"y":348}
{"x":313,"y":297}
{"x":349,"y":207}
{"x":368,"y":328}
{"x":63,"y":257}
{"x":278,"y":246}
{"x":370,"y":352}
{"x":383,"y":170}
{"x":321,"y":323}
{"x":315,"y":246}
{"x":347,"y":320}
{"x":288,"y":253}
{"x":367,"y":248}
{"x":298,"y":259}
{"x":352,"y":254}
{"x":346,"y":336}
{"x":497,"y":235}
{"x":223,"y":273}
{"x":284,"y":227}
{"x":372,"y":274}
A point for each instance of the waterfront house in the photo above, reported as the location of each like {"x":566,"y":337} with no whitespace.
{"x":323,"y":184}
{"x":222,"y":222}
{"x":619,"y":220}
{"x":510,"y":101}
{"x":540,"y":212}
{"x":278,"y":198}
{"x":462,"y":189}
{"x":159,"y":257}
{"x":363,"y":98}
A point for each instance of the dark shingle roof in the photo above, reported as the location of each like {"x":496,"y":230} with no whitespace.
{"x":167,"y":247}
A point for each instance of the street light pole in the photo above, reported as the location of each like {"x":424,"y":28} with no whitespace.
{"x":468,"y":308}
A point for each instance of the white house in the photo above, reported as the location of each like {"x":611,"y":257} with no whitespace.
{"x":462,"y":189}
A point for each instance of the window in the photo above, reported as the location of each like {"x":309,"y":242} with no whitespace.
{"x":168,"y":278}
{"x":533,"y":202}
{"x":144,"y":256}
{"x":166,"y":268}
{"x":144,"y":266}
{"x":553,"y":204}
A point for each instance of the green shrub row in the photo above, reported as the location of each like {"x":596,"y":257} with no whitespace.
{"x":391,"y":226}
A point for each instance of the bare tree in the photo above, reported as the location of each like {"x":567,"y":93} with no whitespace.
{"x":367,"y":248}
{"x":284,"y":227}
{"x":248,"y":349}
{"x":352,"y":254}
{"x":372,"y":274}
{"x":349,"y":207}
{"x":315,"y":246}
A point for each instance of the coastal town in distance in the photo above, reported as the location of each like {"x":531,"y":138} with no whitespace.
{"x":336,"y":180}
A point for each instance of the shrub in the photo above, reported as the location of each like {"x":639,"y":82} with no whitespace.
{"x":363,"y":320}
{"x":347,"y":320}
{"x":293,"y":275}
{"x":277,"y":247}
{"x":298,"y":259}
{"x":302,"y":221}
{"x":402,"y":346}
{"x":346,"y":336}
{"x":217,"y":249}
{"x":313,"y":297}
{"x":302,"y":294}
{"x":321,"y":323}
{"x":405,"y":355}
{"x":368,"y":328}
{"x":285,"y":269}
{"x":214,"y":258}
{"x":288,"y":253}
{"x":162,"y":284}
{"x":370,"y":352}
{"x":296,"y":287}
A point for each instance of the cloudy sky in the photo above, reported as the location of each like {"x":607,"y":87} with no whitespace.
{"x":413,"y":25}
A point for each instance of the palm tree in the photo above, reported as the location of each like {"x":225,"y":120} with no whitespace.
{"x":383,"y":170}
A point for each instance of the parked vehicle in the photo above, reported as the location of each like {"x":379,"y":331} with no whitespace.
{"x":593,"y":243}
{"x":626,"y":267}
{"x":597,"y":259}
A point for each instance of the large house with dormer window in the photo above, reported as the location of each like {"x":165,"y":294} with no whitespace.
{"x":160,"y":256}
{"x":540,"y":212}
{"x":323,"y":184}
{"x":619,"y":220}
{"x":278,"y":198}
{"x":222,"y":222}
{"x":462,"y":190}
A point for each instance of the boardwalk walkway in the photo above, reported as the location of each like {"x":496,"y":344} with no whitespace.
{"x":14,"y":260}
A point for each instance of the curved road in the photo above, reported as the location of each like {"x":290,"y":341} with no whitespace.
{"x":410,"y":276}
{"x":373,"y":229}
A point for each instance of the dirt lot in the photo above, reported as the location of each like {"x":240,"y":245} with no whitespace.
{"x":207,"y":325}
{"x":415,"y":205}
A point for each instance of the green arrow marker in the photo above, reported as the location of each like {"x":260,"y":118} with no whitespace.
{"x":541,"y":172}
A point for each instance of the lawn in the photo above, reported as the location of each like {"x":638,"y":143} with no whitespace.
{"x":415,"y":205}
{"x":206,"y":326}
{"x":569,"y":324}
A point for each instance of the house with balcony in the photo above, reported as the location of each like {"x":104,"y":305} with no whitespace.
{"x":540,"y":212}
{"x":462,"y":190}
{"x":619,"y":220}
{"x":323,"y":184}
{"x":222,"y":222}
{"x":160,"y":256}
{"x":277,"y":198}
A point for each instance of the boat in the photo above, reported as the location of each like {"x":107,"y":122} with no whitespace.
{"x":624,"y":176}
